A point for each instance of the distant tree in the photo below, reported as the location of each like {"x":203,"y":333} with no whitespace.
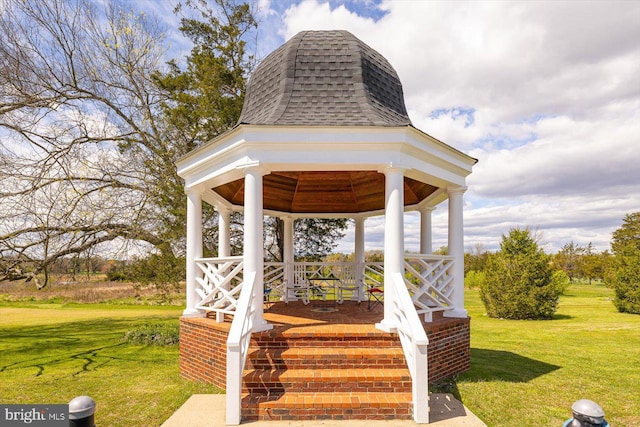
{"x":475,"y":279}
{"x":476,"y":259}
{"x":315,"y":238}
{"x":568,"y":259}
{"x":374,"y":256}
{"x":628,"y":234}
{"x":519,"y":280}
{"x":442,"y":250}
{"x":591,"y":265}
{"x":623,"y":274}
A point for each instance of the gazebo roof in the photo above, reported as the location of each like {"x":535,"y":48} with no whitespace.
{"x":324,"y":117}
{"x":325,"y":78}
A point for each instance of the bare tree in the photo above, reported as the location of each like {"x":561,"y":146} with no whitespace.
{"x":83,"y":160}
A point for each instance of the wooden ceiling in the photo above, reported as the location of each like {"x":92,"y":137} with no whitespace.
{"x":325,"y":191}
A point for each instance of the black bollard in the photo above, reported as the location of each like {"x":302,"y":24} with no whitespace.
{"x":81,"y":412}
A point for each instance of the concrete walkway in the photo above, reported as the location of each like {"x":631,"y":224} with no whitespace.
{"x":208,"y":410}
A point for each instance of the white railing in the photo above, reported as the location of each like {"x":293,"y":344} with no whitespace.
{"x":343,"y":271}
{"x":274,"y":280}
{"x":237,"y":348}
{"x":429,"y":279}
{"x":312,"y":276}
{"x":374,"y":274}
{"x":414,"y":344}
{"x":220,"y":284}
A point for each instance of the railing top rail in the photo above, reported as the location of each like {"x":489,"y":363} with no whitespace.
{"x":220,"y":259}
{"x":323,"y":263}
{"x":237,"y":325}
{"x":406,"y":256}
{"x":428,"y":256}
{"x":404,"y":301}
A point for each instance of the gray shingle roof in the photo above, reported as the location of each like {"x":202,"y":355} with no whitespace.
{"x":324,"y":78}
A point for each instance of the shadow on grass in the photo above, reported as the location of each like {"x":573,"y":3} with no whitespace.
{"x":88,"y":344}
{"x":561,"y":317}
{"x":495,"y":365}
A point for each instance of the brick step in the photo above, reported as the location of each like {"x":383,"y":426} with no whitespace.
{"x":329,"y":336}
{"x":327,"y":406}
{"x":326,"y":358}
{"x":343,"y":340}
{"x":327,"y":380}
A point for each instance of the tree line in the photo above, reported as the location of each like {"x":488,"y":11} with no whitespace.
{"x":520,"y":281}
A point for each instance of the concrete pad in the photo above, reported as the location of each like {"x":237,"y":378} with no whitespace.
{"x":208,"y":410}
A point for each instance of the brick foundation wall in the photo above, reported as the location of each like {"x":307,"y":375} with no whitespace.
{"x":449,"y":350}
{"x":203,"y":349}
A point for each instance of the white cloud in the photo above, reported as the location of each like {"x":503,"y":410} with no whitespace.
{"x":545,"y":94}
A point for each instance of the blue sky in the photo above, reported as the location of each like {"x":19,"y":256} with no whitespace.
{"x":545,"y":94}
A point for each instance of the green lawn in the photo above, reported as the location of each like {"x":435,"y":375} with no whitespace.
{"x":530,"y":372}
{"x":51,"y":353}
{"x":524,"y":373}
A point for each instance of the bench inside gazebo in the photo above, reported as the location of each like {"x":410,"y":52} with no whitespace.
{"x":324,"y":133}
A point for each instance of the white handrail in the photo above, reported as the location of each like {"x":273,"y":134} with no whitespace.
{"x":237,"y":348}
{"x":414,"y":344}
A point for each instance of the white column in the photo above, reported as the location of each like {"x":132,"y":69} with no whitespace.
{"x":393,"y":240}
{"x":224,"y":243}
{"x":254,"y":242}
{"x":426,"y":230}
{"x":288,"y":254}
{"x":194,"y":250}
{"x":359,"y":256}
{"x":224,"y":231}
{"x":456,"y":250}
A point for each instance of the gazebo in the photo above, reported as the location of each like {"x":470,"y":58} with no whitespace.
{"x":323,"y":133}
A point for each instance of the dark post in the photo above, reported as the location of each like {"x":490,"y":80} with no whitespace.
{"x":586,"y":413}
{"x":81,"y":412}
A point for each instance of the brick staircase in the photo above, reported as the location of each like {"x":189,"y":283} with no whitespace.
{"x":324,"y":372}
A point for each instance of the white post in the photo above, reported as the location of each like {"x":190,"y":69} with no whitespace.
{"x":224,"y":231}
{"x":288,"y":254}
{"x":456,"y":250}
{"x":393,"y":241}
{"x":194,"y":250}
{"x":254,"y":242}
{"x":224,"y":242}
{"x":426,"y":230}
{"x":359,"y":256}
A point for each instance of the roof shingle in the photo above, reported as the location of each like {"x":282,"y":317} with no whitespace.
{"x":325,"y":78}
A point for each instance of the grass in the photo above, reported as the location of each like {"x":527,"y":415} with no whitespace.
{"x":531,"y":372}
{"x":51,"y":353}
{"x":525,"y":373}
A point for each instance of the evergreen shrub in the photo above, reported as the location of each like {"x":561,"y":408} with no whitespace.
{"x":519,"y":280}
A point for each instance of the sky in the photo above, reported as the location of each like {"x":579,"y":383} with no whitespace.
{"x":545,"y":94}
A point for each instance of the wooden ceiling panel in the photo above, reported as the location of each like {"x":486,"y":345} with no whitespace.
{"x":325,"y":191}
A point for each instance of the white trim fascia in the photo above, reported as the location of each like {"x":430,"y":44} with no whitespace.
{"x":314,"y":148}
{"x":467,"y":159}
{"x":216,"y":200}
{"x":433,"y":200}
{"x":429,"y":170}
{"x":308,"y":138}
